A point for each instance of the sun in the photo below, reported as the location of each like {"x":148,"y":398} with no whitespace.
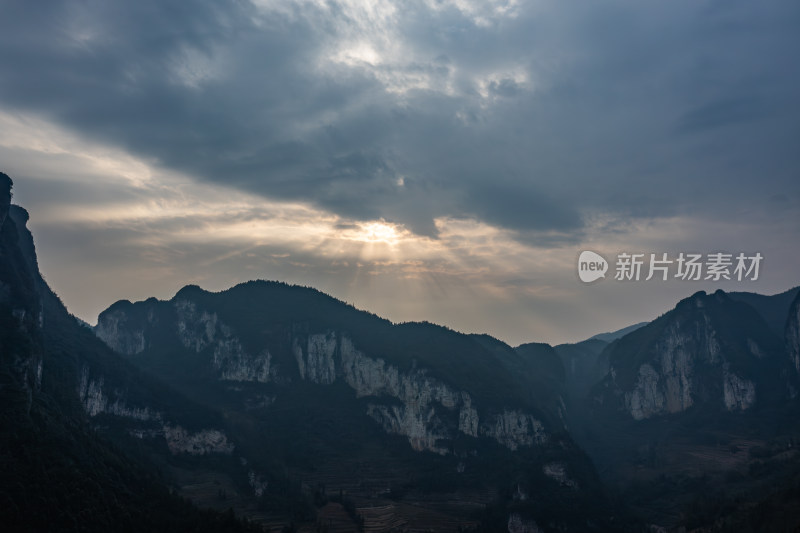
{"x":378,"y":232}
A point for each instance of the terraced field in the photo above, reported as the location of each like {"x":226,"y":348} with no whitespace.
{"x":369,"y":485}
{"x":332,"y":518}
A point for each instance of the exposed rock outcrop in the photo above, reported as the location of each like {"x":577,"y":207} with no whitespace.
{"x":678,"y":360}
{"x":257,"y":483}
{"x":558,"y":472}
{"x":793,"y":333}
{"x":121,"y":329}
{"x":738,"y":393}
{"x":234,"y":364}
{"x":518,"y":524}
{"x":202,"y":442}
{"x":5,"y":197}
{"x":21,"y":348}
{"x":514,"y":428}
{"x":197,"y":330}
{"x":113,"y":328}
{"x":429,"y":411}
{"x":96,"y":401}
{"x":665,"y":385}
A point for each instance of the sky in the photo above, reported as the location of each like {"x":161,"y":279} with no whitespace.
{"x":440,"y":160}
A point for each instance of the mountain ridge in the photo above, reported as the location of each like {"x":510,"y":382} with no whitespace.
{"x":448,"y":395}
{"x":60,"y":470}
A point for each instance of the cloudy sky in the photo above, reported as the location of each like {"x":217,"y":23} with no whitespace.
{"x":441,"y":160}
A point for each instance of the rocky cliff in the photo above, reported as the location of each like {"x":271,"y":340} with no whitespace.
{"x":710,"y":350}
{"x":5,"y":197}
{"x":685,"y":396}
{"x":429,"y":410}
{"x":793,"y":334}
{"x":425,"y":409}
{"x":64,"y":396}
{"x":340,"y":396}
{"x":101,"y":381}
{"x":115,"y":332}
{"x":146,"y":422}
{"x":21,"y":343}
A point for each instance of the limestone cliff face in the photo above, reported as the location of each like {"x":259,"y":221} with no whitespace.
{"x":680,"y":359}
{"x":198,"y":330}
{"x":127,"y":333}
{"x":419,"y":403}
{"x":558,"y":472}
{"x":425,"y":410}
{"x":738,"y":393}
{"x":21,"y":349}
{"x":514,"y":428}
{"x":5,"y":197}
{"x":113,"y":328}
{"x":518,"y":524}
{"x":793,"y":334}
{"x":316,"y":362}
{"x":665,"y":384}
{"x":96,"y":400}
{"x":257,"y":483}
{"x":202,"y":442}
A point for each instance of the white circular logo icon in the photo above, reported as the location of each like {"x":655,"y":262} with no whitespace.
{"x":591,"y":266}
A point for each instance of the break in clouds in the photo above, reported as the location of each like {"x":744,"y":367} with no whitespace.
{"x":556,"y":124}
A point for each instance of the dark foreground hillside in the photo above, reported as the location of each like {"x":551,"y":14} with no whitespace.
{"x":58,"y":472}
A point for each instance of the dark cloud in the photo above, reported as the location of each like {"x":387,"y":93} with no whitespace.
{"x":719,"y":114}
{"x":528,"y":121}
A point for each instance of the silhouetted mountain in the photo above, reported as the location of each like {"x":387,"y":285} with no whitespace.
{"x":546,"y":360}
{"x":64,"y":397}
{"x":710,"y":351}
{"x":792,"y":333}
{"x":391,"y":414}
{"x":773,"y":309}
{"x":695,"y":411}
{"x":614,"y":335}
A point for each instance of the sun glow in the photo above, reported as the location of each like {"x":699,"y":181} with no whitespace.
{"x":375,"y":232}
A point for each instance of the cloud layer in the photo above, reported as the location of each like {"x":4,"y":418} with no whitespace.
{"x":526,"y":115}
{"x":428,"y":123}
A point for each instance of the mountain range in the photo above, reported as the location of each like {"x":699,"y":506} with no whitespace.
{"x":276,"y":407}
